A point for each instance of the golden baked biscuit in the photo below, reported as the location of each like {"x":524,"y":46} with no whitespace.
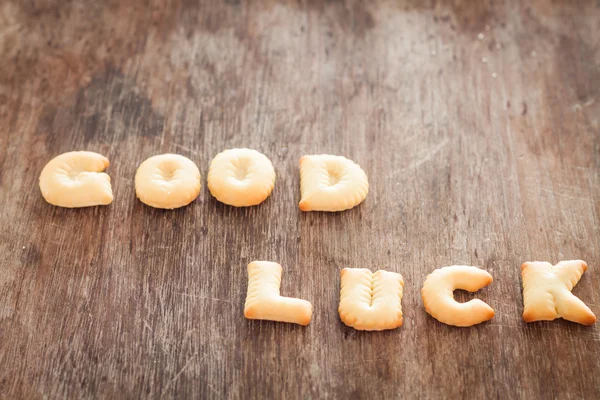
{"x":371,"y":301}
{"x":241,"y":177}
{"x":75,"y":179}
{"x":264,"y":301}
{"x":547,"y":292}
{"x":167,"y":181}
{"x":331,"y":183}
{"x":439,"y":300}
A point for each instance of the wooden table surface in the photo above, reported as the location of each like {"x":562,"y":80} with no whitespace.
{"x":476,"y":122}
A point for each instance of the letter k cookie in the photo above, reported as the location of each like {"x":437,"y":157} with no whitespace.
{"x":547,"y":292}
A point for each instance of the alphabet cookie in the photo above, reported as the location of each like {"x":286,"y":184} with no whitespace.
{"x":167,"y":181}
{"x":264,"y":300}
{"x":371,"y":301}
{"x":439,"y":301}
{"x":331,"y":183}
{"x":547,"y":292}
{"x":241,"y":177}
{"x":75,"y":179}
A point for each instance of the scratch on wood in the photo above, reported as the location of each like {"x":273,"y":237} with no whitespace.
{"x":148,"y":326}
{"x":204,"y":297}
{"x":178,"y":374}
{"x":429,"y":154}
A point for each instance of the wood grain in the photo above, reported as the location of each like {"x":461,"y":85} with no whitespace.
{"x":477,"y":123}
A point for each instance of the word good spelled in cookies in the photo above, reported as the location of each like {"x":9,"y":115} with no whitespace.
{"x":547,"y":292}
{"x":241,"y":177}
{"x":439,"y":301}
{"x":167,"y":181}
{"x":264,"y":300}
{"x":371,"y":301}
{"x":75,"y":179}
{"x":331,"y":183}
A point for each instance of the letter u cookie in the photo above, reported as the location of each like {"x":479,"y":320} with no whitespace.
{"x":371,"y":301}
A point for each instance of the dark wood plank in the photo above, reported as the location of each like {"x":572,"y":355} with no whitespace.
{"x":477,"y":123}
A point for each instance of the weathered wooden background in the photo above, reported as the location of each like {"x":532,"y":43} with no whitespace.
{"x":476,"y":121}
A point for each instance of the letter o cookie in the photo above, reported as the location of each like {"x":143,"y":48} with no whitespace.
{"x":75,"y":179}
{"x":241,"y":177}
{"x":167,"y":181}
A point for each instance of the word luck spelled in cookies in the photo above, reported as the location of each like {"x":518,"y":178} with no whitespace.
{"x":372,"y":301}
